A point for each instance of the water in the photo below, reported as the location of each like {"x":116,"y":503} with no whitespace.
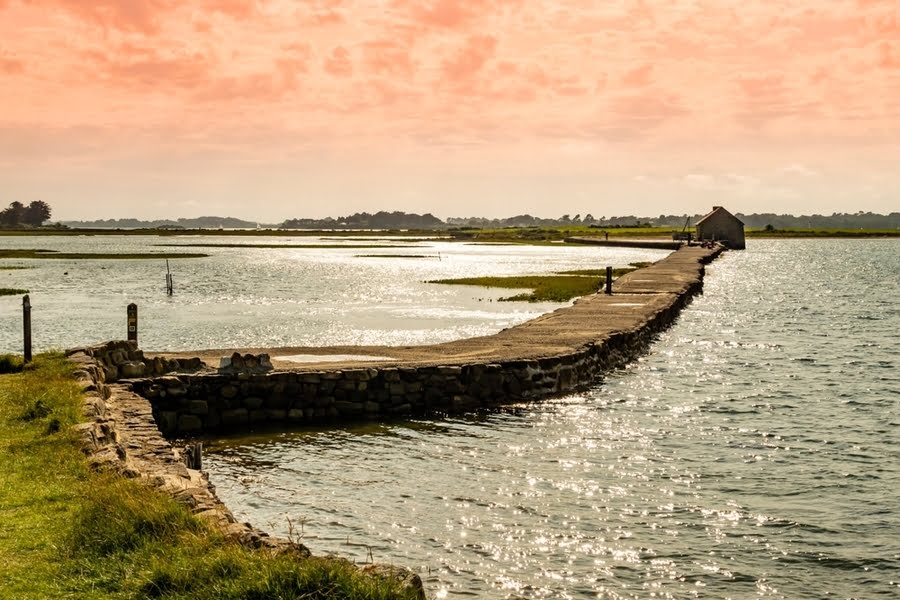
{"x":753,"y":453}
{"x":241,"y":297}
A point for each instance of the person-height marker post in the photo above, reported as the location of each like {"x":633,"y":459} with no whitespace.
{"x":609,"y":280}
{"x":26,"y":321}
{"x":132,"y":323}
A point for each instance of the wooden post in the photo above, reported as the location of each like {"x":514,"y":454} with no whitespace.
{"x":26,"y":322}
{"x":193,"y":456}
{"x":609,"y":280}
{"x":132,"y":323}
{"x":170,"y":283}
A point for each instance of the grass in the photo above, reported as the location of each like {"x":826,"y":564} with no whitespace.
{"x":329,"y":246}
{"x":69,"y":532}
{"x":560,"y":287}
{"x":53,"y":254}
{"x":549,"y":235}
{"x":13,"y":268}
{"x":12,"y":292}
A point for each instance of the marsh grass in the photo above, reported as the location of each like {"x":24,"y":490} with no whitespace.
{"x":287,"y":246}
{"x":12,"y":292}
{"x":32,"y":253}
{"x":69,"y":532}
{"x":560,"y":287}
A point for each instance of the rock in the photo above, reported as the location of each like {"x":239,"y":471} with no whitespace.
{"x":132,"y":370}
{"x":189,"y":423}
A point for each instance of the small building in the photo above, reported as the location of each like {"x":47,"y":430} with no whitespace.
{"x":721,"y":226}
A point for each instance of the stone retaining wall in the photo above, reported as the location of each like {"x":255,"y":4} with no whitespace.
{"x":192,"y":404}
{"x":121,"y":434}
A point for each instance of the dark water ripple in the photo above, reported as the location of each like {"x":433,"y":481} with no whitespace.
{"x":753,"y":453}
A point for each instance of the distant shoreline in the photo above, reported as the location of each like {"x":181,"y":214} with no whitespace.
{"x":527,"y":235}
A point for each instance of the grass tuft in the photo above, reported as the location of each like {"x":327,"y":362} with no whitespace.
{"x":10,"y":363}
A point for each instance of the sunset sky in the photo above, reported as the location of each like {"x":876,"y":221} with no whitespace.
{"x":273,"y":109}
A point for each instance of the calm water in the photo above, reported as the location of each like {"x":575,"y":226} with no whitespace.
{"x":753,"y":453}
{"x":275,"y":297}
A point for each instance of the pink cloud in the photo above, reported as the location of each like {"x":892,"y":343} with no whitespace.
{"x":639,"y":76}
{"x":470,"y":59}
{"x":338,"y":63}
{"x":11,"y":66}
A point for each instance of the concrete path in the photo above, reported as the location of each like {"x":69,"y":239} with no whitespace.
{"x":638,"y":298}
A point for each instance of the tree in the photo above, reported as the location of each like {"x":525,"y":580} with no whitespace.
{"x":12,"y":216}
{"x":36,"y":213}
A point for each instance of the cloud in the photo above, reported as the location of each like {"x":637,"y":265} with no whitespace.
{"x":469,"y":60}
{"x":388,"y":56}
{"x":338,"y":63}
{"x":11,"y":66}
{"x":639,"y":76}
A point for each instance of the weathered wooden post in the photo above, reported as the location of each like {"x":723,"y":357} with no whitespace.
{"x":170,"y":283}
{"x":26,"y":322}
{"x":193,"y":456}
{"x":132,"y":323}
{"x":609,"y":280}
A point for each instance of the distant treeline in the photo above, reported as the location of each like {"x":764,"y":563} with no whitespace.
{"x":379,"y":220}
{"x":403,"y":220}
{"x":195,"y":223}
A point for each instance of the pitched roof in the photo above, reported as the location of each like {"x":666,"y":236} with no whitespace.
{"x":720,"y":210}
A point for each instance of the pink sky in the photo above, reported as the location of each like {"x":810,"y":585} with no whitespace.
{"x":272,"y":109}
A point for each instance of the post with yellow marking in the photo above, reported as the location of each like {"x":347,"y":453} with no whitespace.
{"x":132,"y":323}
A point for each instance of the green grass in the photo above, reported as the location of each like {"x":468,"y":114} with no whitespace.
{"x":12,"y":292}
{"x":10,"y":363}
{"x":53,"y":254}
{"x":69,"y":532}
{"x":550,"y":235}
{"x":13,"y":268}
{"x":560,"y":287}
{"x":329,"y":246}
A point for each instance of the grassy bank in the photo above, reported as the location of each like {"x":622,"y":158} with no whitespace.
{"x":560,"y":287}
{"x":69,"y":532}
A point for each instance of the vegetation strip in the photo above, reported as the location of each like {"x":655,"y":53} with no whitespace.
{"x":67,"y":531}
{"x":53,"y":254}
{"x":329,"y":246}
{"x":12,"y":292}
{"x":560,"y":287}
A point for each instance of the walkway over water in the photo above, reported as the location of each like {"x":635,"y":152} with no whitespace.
{"x":638,"y":299}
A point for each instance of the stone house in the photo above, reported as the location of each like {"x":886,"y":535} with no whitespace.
{"x":721,"y":226}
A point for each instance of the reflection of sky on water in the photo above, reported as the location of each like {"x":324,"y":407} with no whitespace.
{"x":276,"y":297}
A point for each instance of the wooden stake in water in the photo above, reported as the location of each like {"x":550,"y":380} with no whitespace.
{"x":26,"y":321}
{"x":170,"y":284}
{"x":132,"y":323}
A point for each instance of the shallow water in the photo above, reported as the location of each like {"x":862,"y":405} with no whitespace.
{"x":752,"y":453}
{"x":239,"y":297}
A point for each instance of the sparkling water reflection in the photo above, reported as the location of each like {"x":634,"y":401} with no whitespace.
{"x":240,"y":297}
{"x":753,"y":453}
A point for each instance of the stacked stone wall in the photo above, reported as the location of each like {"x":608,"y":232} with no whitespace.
{"x":186,"y":404}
